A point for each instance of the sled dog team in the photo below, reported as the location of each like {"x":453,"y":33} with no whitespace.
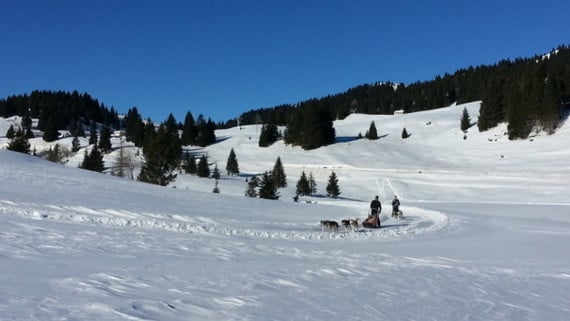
{"x":372,"y":221}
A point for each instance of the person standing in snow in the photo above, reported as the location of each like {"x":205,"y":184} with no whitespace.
{"x":395,"y":206}
{"x":374,"y":219}
{"x":375,"y":206}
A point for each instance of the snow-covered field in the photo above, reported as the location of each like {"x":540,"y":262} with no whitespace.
{"x":486,"y":232}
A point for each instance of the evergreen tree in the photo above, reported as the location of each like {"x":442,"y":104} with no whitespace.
{"x":10,"y":133}
{"x":171,"y":125}
{"x":465,"y":120}
{"x":93,"y":134}
{"x":105,"y":139}
{"x":27,"y":122}
{"x":54,"y":154}
{"x":372,"y":134}
{"x":162,"y":153}
{"x":203,"y":169}
{"x":405,"y":133}
{"x":232,"y":167}
{"x":50,"y":133}
{"x":75,"y":145}
{"x":333,"y":189}
{"x":135,"y":127}
{"x":252,"y":184}
{"x":310,"y":126}
{"x":303,"y":188}
{"x":312,"y":184}
{"x":278,"y":173}
{"x":189,"y":130}
{"x":19,"y":143}
{"x":268,"y":187}
{"x":97,"y":160}
{"x":206,"y":132}
{"x":190,"y":165}
{"x":93,"y":161}
{"x":269,"y":135}
{"x":149,"y":133}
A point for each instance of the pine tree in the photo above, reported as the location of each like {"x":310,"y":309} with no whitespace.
{"x":333,"y":189}
{"x":372,"y":133}
{"x":54,"y":154}
{"x":93,"y":161}
{"x":135,"y":127}
{"x":162,"y":156}
{"x":105,"y":139}
{"x":405,"y":133}
{"x":303,"y":187}
{"x":19,"y":143}
{"x":50,"y":133}
{"x":268,"y":187}
{"x":189,"y":130}
{"x":312,"y":184}
{"x":278,"y":174}
{"x":75,"y":145}
{"x":252,"y":184}
{"x":93,"y":133}
{"x":269,"y":135}
{"x":203,"y":169}
{"x":190,"y":165}
{"x":232,"y":167}
{"x":10,"y":133}
{"x":465,"y":120}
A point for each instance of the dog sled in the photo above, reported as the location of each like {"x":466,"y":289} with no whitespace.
{"x":373,"y":221}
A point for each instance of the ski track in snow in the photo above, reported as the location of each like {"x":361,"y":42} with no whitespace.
{"x":416,"y":222}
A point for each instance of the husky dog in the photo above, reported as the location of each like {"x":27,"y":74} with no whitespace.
{"x":329,"y":225}
{"x":354,"y":223}
{"x":398,"y":214}
{"x":350,"y":223}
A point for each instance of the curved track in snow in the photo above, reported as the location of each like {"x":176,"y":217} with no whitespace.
{"x":416,"y":222}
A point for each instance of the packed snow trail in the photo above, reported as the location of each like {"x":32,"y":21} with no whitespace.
{"x":416,"y":222}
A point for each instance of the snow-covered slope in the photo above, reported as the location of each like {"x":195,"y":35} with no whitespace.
{"x":484,"y":237}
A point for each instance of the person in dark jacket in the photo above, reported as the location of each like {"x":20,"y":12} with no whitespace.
{"x":396,"y":207}
{"x":373,"y":221}
{"x":375,"y":206}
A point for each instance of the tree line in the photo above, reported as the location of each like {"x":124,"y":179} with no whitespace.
{"x":527,"y":93}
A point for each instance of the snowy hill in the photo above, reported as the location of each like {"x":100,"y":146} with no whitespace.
{"x":484,"y":236}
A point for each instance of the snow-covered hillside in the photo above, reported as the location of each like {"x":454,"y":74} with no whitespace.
{"x":485,"y":234}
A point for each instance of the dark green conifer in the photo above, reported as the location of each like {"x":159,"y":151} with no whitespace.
{"x":303,"y":188}
{"x":232,"y":166}
{"x":333,"y":190}
{"x":268,"y":187}
{"x":278,"y":173}
{"x":203,"y":169}
{"x":372,"y":133}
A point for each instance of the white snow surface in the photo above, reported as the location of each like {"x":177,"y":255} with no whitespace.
{"x":485,"y":234}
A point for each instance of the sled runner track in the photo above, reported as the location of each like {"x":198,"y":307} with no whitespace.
{"x":416,"y":223}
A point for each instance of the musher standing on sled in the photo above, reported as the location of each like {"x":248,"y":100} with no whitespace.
{"x":395,"y":207}
{"x":374,"y":219}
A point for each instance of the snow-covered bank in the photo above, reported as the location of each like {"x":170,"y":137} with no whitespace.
{"x":482,"y":238}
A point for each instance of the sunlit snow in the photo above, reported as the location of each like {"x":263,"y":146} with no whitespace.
{"x":485,"y":234}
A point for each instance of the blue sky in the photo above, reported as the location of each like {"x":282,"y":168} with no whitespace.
{"x":222,"y":58}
